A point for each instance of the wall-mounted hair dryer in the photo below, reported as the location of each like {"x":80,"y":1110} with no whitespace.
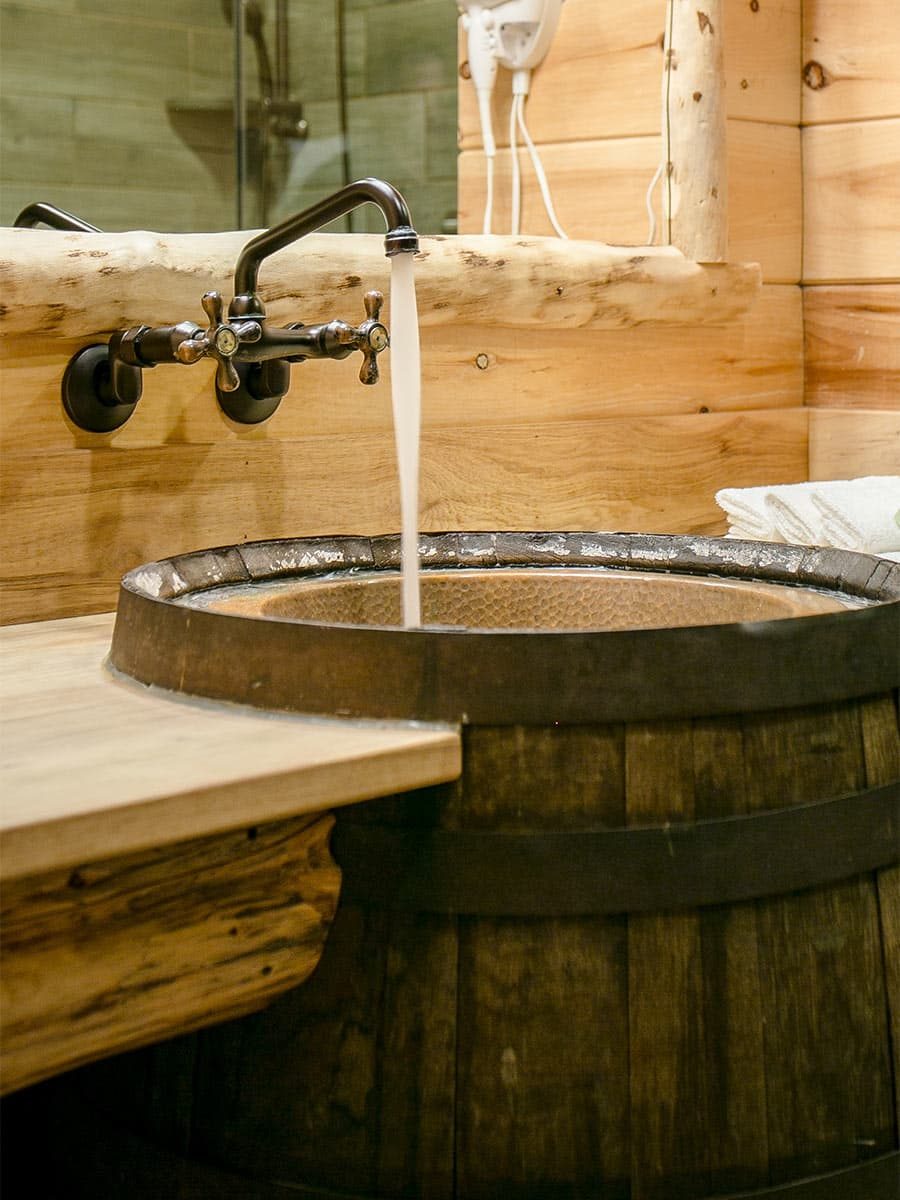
{"x":515,"y":34}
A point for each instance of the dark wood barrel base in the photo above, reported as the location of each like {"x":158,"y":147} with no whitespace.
{"x":594,"y":1042}
{"x":110,"y":1161}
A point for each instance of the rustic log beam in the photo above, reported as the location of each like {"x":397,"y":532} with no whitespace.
{"x":696,"y":191}
{"x":80,"y":285}
{"x":127,"y":951}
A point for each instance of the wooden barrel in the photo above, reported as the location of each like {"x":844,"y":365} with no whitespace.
{"x":622,"y":960}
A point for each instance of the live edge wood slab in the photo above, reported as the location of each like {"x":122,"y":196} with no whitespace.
{"x":85,"y":285}
{"x":164,"y":863}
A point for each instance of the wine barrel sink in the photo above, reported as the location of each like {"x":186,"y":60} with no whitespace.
{"x":646,"y":948}
{"x":647,"y":626}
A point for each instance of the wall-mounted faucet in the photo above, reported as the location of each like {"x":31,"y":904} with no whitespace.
{"x":103,"y":383}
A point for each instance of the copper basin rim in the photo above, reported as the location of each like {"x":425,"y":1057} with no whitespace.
{"x":518,"y":627}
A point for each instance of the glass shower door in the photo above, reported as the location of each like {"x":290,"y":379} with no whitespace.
{"x":336,"y":90}
{"x":231,"y":114}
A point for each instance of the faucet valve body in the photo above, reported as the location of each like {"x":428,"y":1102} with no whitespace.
{"x":264,"y":367}
{"x":221,"y":341}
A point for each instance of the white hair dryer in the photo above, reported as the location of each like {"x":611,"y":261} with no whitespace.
{"x":515,"y":34}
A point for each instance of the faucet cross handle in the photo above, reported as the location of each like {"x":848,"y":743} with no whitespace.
{"x":371,"y":337}
{"x":220,"y":341}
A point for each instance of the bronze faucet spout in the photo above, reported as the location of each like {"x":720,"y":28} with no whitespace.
{"x":400,"y":238}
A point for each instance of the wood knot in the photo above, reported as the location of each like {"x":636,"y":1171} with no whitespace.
{"x":815,"y":76}
{"x":698,"y":96}
{"x":754,"y":5}
{"x":465,"y":70}
{"x":704,"y":22}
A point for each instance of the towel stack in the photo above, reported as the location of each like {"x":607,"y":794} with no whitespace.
{"x":850,"y":514}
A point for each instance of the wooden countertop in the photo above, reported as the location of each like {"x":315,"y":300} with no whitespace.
{"x":165,"y":861}
{"x":93,"y":766}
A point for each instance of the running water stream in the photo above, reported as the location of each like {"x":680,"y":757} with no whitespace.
{"x":406,"y":388}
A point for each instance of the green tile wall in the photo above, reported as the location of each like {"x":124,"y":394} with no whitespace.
{"x":120,"y":113}
{"x":86,"y":88}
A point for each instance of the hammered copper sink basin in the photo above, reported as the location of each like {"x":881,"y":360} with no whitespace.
{"x":517,"y":627}
{"x":521,"y":598}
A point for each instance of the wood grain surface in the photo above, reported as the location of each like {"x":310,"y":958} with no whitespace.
{"x":695,"y":180}
{"x":826,"y":944}
{"x":111,"y":281}
{"x":852,"y":346}
{"x":882,"y":759}
{"x":851,"y":175}
{"x":649,"y":473}
{"x":850,"y":55}
{"x":599,"y":188}
{"x":607,"y":59}
{"x":844,"y":444}
{"x":851,"y":165}
{"x":94,"y":767}
{"x":122,"y":952}
{"x":515,"y":338}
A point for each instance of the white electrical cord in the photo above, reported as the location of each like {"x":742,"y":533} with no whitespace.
{"x":516,"y":196}
{"x":489,"y":194}
{"x":538,"y":168}
{"x":479,"y":25}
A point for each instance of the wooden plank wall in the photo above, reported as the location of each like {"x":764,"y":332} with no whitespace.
{"x":851,"y":244}
{"x":535,"y":427}
{"x":595,"y":113}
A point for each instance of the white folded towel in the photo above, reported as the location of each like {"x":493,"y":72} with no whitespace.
{"x":794,"y":514}
{"x":747,"y":513}
{"x":851,"y":514}
{"x":860,"y":514}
